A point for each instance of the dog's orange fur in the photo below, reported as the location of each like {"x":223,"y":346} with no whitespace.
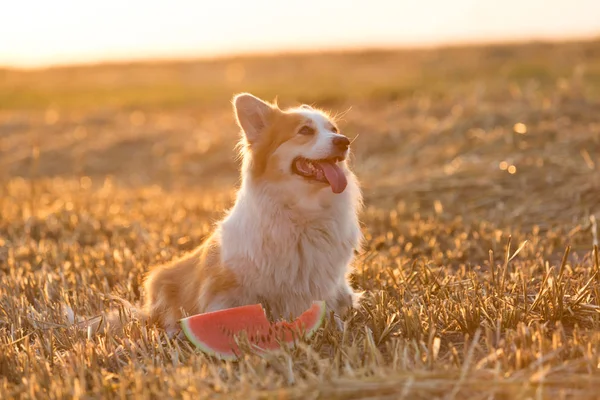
{"x":281,"y":127}
{"x":183,"y":287}
{"x":173,"y":289}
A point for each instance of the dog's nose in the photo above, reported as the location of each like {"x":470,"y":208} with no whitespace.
{"x":341,"y":142}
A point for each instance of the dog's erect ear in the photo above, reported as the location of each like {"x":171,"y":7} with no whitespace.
{"x":252,"y":115}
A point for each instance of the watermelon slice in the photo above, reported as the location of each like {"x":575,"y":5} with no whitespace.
{"x":217,"y":333}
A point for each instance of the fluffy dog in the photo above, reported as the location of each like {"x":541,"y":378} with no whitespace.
{"x":291,"y":235}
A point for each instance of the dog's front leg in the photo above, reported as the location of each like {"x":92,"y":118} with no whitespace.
{"x":344,"y":299}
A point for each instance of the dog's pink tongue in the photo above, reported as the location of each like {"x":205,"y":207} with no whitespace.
{"x":335,"y":176}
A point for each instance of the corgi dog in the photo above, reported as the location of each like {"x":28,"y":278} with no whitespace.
{"x":290,"y":237}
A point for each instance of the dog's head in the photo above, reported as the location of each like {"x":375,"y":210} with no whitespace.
{"x":299,"y":150}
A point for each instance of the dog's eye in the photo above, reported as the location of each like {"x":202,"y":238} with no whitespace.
{"x":334,"y":129}
{"x":306,"y":130}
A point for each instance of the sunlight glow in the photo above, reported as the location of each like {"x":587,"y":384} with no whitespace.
{"x":34,"y":33}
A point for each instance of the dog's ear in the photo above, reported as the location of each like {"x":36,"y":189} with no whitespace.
{"x":252,"y":115}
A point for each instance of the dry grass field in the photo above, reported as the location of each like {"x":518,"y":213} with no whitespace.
{"x":481,"y":173}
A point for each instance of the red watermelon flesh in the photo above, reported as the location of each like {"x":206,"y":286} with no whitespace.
{"x":215,"y":333}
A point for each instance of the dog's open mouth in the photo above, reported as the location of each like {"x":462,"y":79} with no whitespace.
{"x":325,"y":171}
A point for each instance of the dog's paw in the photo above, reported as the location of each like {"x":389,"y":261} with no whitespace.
{"x":339,"y":323}
{"x":173,"y":332}
{"x":335,"y":320}
{"x":68,"y":314}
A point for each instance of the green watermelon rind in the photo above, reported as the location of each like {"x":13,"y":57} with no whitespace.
{"x":319,"y":320}
{"x":205,"y":348}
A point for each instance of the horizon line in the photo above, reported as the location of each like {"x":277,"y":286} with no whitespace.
{"x":301,"y":50}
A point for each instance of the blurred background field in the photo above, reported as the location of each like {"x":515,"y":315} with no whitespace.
{"x":447,"y":124}
{"x":481,"y":172}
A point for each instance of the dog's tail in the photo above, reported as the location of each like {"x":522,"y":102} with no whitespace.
{"x":113,"y":321}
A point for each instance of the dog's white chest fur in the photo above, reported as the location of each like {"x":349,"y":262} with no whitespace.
{"x":287,"y":258}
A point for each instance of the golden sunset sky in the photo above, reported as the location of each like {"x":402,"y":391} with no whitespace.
{"x":40,"y":33}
